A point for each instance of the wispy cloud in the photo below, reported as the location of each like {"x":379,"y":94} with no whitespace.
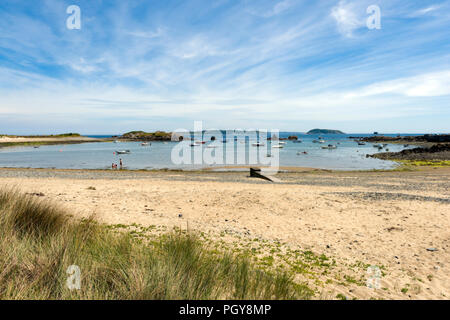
{"x":347,"y":19}
{"x":225,"y":62}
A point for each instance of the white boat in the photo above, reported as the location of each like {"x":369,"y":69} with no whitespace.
{"x":279,"y":146}
{"x":378,"y":146}
{"x":145,"y":144}
{"x":321,"y":141}
{"x":258,"y":144}
{"x":211,"y":147}
{"x":330,"y":146}
{"x":361,"y":143}
{"x":116,"y":141}
{"x":123,"y":152}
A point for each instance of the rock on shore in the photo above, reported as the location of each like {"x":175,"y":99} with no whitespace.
{"x":435,"y":152}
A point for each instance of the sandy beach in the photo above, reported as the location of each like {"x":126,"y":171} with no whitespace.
{"x":398,"y":221}
{"x":9,"y":139}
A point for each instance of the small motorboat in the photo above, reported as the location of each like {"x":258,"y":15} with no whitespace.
{"x":123,"y":152}
{"x":144,"y":144}
{"x":211,"y":146}
{"x":116,"y":141}
{"x":378,"y":146}
{"x":258,"y":144}
{"x":330,"y":146}
{"x":278,"y":146}
{"x":321,"y":141}
{"x":361,"y":143}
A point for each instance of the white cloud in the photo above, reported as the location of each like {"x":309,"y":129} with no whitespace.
{"x":146,"y":34}
{"x":346,"y":18}
{"x":426,"y":10}
{"x":425,"y":85}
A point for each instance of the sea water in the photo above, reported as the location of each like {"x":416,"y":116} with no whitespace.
{"x":100,"y":155}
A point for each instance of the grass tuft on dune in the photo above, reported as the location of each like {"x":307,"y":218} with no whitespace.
{"x":39,"y":241}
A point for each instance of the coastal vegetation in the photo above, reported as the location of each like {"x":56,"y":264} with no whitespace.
{"x":63,"y":135}
{"x":40,"y":241}
{"x":148,"y":136}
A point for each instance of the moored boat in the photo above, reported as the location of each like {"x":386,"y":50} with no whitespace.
{"x":330,"y":146}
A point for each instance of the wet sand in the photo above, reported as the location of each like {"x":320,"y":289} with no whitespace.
{"x":389,"y":219}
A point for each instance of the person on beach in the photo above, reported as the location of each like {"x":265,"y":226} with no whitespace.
{"x":121,"y":164}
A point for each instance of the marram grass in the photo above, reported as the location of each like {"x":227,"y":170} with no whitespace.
{"x":38,"y":242}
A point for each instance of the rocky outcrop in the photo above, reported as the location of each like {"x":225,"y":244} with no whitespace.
{"x":435,"y":152}
{"x":147,"y":136}
{"x":408,"y":139}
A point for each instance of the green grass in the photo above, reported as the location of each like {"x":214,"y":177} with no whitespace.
{"x":39,"y":241}
{"x":425,"y":163}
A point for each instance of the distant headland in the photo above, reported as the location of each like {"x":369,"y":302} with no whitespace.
{"x":324,"y":131}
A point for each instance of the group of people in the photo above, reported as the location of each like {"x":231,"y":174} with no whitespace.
{"x":114,"y":165}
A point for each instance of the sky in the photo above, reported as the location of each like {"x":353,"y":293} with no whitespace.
{"x":291,"y":65}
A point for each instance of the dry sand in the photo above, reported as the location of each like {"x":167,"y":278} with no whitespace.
{"x":387,"y":219}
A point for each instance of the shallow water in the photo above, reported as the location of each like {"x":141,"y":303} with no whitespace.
{"x":348,"y":155}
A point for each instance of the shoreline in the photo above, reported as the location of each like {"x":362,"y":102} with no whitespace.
{"x":18,"y":141}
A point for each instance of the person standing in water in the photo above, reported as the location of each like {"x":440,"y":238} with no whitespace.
{"x":121,"y":164}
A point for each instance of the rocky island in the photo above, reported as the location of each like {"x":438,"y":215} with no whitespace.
{"x":324,"y":131}
{"x":147,"y":136}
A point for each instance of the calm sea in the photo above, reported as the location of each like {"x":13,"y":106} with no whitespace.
{"x":348,"y":155}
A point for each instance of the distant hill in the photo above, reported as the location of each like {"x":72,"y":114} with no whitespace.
{"x":324,"y":131}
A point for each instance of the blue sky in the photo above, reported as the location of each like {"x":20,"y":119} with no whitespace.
{"x":291,"y":65}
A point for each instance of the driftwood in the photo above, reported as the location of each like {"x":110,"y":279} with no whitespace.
{"x":256,"y":173}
